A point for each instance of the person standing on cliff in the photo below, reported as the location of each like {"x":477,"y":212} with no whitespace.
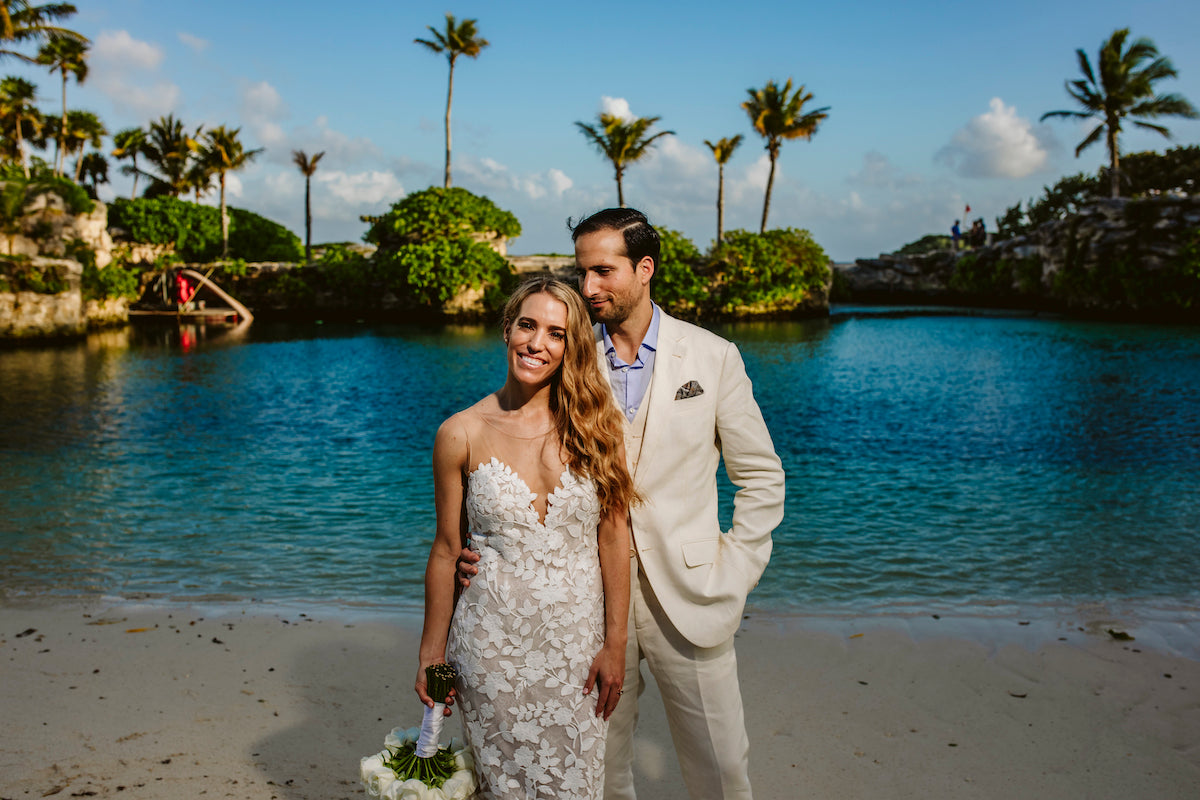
{"x":955,"y":234}
{"x":688,"y":402}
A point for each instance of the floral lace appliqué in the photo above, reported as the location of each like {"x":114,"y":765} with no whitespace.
{"x":524,"y":635}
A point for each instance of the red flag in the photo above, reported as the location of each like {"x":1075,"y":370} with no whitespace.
{"x":968,"y":211}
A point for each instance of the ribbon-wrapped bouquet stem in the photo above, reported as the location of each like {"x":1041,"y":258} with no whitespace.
{"x":413,"y":764}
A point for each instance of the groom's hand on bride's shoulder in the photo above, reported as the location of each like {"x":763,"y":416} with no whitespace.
{"x":466,"y":566}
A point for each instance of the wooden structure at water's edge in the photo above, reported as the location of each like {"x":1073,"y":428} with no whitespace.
{"x":236,"y":309}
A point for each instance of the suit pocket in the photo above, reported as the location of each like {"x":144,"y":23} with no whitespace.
{"x":700,"y":552}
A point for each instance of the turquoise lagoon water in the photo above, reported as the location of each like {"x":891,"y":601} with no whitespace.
{"x":932,"y":461}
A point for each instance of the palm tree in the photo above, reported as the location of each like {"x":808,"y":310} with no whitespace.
{"x":20,"y":22}
{"x":68,"y":56}
{"x":622,"y":142}
{"x":93,"y":169}
{"x":17,"y":112}
{"x":722,"y":151}
{"x":777,"y":113}
{"x":83,"y":128}
{"x":307,"y":167}
{"x":169,"y":148}
{"x":1125,"y":88}
{"x":224,"y":153}
{"x":128,"y":143}
{"x":457,"y":40}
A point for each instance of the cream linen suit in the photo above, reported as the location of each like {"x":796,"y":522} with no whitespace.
{"x":689,"y":578}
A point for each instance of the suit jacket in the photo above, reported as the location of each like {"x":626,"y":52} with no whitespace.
{"x":699,"y":573}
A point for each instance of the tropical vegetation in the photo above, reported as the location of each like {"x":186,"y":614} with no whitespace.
{"x":195,"y":230}
{"x":458,"y":39}
{"x":23,"y":22}
{"x":67,"y":56}
{"x":622,"y":142}
{"x":307,"y":166}
{"x":1122,"y":87}
{"x":777,"y":114}
{"x":1143,"y":174}
{"x":722,"y":151}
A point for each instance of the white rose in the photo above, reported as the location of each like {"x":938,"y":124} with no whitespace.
{"x":380,"y":781}
{"x":413,"y":789}
{"x":368,"y":767}
{"x":459,"y":786}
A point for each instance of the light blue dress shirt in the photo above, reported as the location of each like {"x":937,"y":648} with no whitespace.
{"x":630,"y":381}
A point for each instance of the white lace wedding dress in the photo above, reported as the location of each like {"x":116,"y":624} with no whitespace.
{"x":524,"y":635}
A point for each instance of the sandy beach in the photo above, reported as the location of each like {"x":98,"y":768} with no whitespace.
{"x":228,"y":701}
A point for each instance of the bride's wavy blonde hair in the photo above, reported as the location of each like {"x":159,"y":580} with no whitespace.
{"x":590,"y":428}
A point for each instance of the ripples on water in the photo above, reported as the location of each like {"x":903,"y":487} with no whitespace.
{"x":930,"y":460}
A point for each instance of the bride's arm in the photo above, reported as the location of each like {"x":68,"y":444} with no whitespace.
{"x":449,"y":460}
{"x":608,"y":668}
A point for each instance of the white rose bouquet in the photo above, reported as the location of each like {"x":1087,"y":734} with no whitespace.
{"x":412,"y":765}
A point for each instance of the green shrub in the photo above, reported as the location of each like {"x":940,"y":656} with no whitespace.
{"x":930,"y":243}
{"x":255,"y":238}
{"x":773,"y":271}
{"x":20,"y":274}
{"x":679,"y":285}
{"x":195,"y":230}
{"x":74,"y":196}
{"x":438,"y":214}
{"x":433,"y":273}
{"x":984,"y":276}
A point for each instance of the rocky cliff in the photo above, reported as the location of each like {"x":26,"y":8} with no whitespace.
{"x":1119,"y":257}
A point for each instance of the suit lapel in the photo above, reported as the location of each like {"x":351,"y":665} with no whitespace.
{"x":668,"y":366}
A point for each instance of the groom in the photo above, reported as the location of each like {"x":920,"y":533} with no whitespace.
{"x":688,"y":401}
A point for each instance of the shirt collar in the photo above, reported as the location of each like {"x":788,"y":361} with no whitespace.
{"x":649,"y":341}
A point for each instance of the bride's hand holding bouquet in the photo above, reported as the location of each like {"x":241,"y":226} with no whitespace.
{"x":412,"y":763}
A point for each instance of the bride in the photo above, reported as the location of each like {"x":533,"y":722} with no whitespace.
{"x":534,"y":476}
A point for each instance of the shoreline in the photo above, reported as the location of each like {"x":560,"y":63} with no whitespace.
{"x":137,"y":699}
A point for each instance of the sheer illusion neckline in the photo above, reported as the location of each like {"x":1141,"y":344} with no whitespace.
{"x":563,"y":478}
{"x":539,"y":435}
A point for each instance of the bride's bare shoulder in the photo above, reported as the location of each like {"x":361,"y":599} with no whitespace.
{"x":468,"y":421}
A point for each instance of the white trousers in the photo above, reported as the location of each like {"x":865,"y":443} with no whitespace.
{"x":700,"y":694}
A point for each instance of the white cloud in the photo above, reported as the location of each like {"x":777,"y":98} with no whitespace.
{"x":879,"y":173}
{"x":262,"y":108}
{"x":122,"y":69}
{"x":119,"y":50}
{"x":194,"y":42}
{"x":362,"y":188}
{"x":260,"y":101}
{"x":998,"y":144}
{"x":559,"y":182}
{"x":617,"y":107}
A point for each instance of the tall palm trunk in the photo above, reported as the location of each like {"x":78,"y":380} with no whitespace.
{"x":449,"y":100}
{"x":620,"y":188}
{"x":1114,"y":162}
{"x":21,"y":149}
{"x":60,"y":147}
{"x":767,"y":198}
{"x":224,"y":222}
{"x":720,"y":202}
{"x":133,"y":193}
{"x":307,"y":221}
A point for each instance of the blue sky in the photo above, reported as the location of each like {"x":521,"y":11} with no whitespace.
{"x":932,"y":105}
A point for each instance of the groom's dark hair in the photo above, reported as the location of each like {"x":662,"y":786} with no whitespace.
{"x":641,"y":239}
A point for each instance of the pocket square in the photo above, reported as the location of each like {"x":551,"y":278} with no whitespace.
{"x":689,"y":389}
